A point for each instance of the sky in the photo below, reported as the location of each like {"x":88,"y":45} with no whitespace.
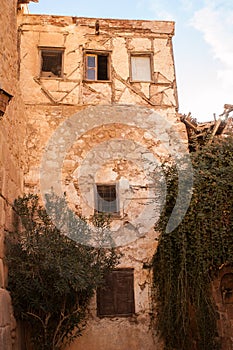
{"x":203,"y":43}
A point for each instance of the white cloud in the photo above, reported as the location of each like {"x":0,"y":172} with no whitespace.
{"x":215,"y":21}
{"x":186,"y":5}
{"x":160,"y":10}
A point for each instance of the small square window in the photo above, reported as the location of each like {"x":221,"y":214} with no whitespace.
{"x":107,"y":200}
{"x":141,"y":67}
{"x":116,"y":296}
{"x":97,"y":66}
{"x":51,"y":63}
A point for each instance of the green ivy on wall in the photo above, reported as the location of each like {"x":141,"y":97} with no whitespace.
{"x":188,"y":258}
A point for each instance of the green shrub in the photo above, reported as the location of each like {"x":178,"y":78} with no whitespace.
{"x":52,"y":277}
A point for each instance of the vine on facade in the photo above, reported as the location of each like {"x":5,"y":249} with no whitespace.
{"x":188,"y":258}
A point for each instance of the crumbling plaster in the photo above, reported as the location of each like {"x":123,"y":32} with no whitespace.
{"x":108,"y":129}
{"x":76,"y":35}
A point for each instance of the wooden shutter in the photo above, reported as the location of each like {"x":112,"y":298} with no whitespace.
{"x":116,"y":297}
{"x":105,"y":297}
{"x":124,"y":292}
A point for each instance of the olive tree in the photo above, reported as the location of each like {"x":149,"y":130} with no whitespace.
{"x":52,"y":277}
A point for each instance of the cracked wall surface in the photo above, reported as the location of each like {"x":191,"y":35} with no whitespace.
{"x":112,"y":131}
{"x":118,"y":37}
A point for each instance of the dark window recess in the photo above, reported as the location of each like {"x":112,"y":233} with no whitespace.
{"x":97,"y":67}
{"x":4,"y":101}
{"x":102,"y":72}
{"x":116,"y":297}
{"x":51,"y":63}
{"x":106,"y":201}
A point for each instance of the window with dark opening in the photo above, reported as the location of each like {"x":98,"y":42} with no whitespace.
{"x":107,"y":199}
{"x":51,"y":63}
{"x":116,"y":296}
{"x":97,"y":66}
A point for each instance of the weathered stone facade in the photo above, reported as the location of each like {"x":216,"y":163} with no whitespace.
{"x":12,"y":155}
{"x":113,"y":126}
{"x":79,"y":129}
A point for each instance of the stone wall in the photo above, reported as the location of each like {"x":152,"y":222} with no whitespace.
{"x":129,"y":151}
{"x":12,"y":156}
{"x":117,"y":38}
{"x":222,"y":288}
{"x":116,"y":130}
{"x":51,"y":100}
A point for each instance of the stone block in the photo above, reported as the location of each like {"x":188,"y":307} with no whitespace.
{"x":6,"y":309}
{"x":2,"y":212}
{"x":2,"y":274}
{"x":5,"y":338}
{"x":2,"y":237}
{"x":3,"y":186}
{"x":229,"y":308}
{"x":226,"y":343}
{"x":9,"y":220}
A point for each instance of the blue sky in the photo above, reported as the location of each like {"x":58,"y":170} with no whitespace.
{"x":203,"y":43}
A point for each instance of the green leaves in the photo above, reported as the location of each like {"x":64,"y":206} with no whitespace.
{"x":187,"y":258}
{"x":51,"y":276}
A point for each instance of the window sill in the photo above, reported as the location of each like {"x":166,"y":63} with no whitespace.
{"x":97,"y":81}
{"x":116,"y":316}
{"x":112,"y":216}
{"x":51,"y":78}
{"x":116,"y":217}
{"x":142,"y":81}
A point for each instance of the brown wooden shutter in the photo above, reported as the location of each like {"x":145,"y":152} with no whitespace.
{"x":124,"y":292}
{"x":105,"y":297}
{"x":116,"y":297}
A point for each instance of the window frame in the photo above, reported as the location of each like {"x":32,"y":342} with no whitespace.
{"x":112,"y":213}
{"x":51,"y":49}
{"x":96,"y":53}
{"x":141,"y":54}
{"x":113,"y":296}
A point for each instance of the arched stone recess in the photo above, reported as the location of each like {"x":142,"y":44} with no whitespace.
{"x":222,"y":288}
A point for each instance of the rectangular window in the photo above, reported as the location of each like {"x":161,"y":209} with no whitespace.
{"x":107,"y":200}
{"x":51,"y":62}
{"x":97,"y":66}
{"x":141,"y":67}
{"x":116,"y":297}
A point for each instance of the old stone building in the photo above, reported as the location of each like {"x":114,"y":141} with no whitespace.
{"x":90,"y":110}
{"x":101,"y":110}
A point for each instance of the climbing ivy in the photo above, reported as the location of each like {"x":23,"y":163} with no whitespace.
{"x":188,"y":258}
